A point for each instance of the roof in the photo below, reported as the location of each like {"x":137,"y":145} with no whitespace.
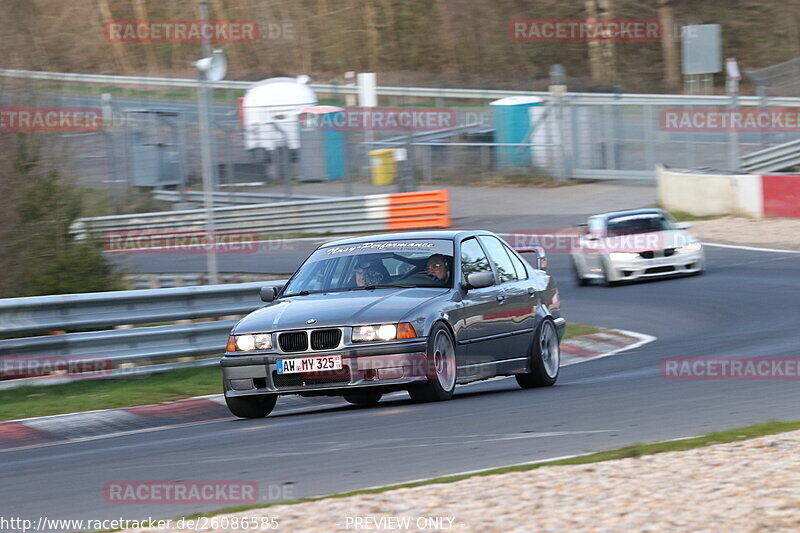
{"x":431,"y":234}
{"x":629,"y":212}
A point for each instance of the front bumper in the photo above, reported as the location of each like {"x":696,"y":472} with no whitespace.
{"x":388,"y":364}
{"x":640,"y":268}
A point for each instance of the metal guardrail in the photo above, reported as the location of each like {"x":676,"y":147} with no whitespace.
{"x":188,"y":279}
{"x":416,"y":92}
{"x":605,"y":174}
{"x":41,"y":314}
{"x":378,"y":212}
{"x":773,"y":159}
{"x":130,"y":351}
{"x":234,"y":198}
{"x":147,"y":344}
{"x":319,"y":216}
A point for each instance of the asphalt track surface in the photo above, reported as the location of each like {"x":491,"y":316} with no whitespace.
{"x":746,"y":304}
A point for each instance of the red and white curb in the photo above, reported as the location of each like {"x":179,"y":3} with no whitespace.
{"x":89,"y":425}
{"x":601,"y":344}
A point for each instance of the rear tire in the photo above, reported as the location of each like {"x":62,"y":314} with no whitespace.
{"x":252,"y":406}
{"x":441,"y":368}
{"x":367,"y":397}
{"x":545,"y":358}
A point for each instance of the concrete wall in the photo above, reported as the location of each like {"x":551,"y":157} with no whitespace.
{"x":751,"y":195}
{"x":697,"y":194}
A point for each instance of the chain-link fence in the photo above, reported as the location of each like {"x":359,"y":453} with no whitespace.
{"x":150,"y":138}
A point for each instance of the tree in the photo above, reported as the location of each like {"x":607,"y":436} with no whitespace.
{"x":39,"y":255}
{"x":669,"y":45}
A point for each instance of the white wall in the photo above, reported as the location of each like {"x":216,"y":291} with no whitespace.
{"x":710,"y":194}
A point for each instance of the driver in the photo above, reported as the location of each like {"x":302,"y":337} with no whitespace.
{"x":437,"y":268}
{"x":367,"y":274}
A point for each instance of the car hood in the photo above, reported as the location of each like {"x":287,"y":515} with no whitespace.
{"x":378,"y":306}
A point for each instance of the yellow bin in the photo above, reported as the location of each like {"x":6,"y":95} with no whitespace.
{"x":384,"y":167}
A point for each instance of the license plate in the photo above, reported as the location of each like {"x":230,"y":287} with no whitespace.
{"x":309,"y":364}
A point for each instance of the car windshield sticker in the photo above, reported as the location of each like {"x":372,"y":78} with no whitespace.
{"x":424,"y":246}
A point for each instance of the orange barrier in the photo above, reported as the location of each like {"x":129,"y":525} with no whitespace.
{"x":416,"y":210}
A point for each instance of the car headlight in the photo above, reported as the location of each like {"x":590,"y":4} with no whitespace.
{"x":691,"y":247}
{"x":383,"y":332}
{"x":622,"y":256}
{"x":249,"y":343}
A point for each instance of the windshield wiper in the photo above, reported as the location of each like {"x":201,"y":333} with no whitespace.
{"x":301,"y":293}
{"x":306,"y":292}
{"x":382,"y":286}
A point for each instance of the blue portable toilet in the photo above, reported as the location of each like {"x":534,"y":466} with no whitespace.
{"x":323,"y":143}
{"x":512,"y":119}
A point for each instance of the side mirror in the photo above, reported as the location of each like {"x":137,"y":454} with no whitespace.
{"x":541,"y":255}
{"x":268,"y":294}
{"x":683,"y":225}
{"x":479,"y":280}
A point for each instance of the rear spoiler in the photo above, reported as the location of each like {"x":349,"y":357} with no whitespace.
{"x":541,"y":256}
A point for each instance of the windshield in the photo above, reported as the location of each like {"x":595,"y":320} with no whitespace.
{"x":648,"y":222}
{"x":364,"y":266}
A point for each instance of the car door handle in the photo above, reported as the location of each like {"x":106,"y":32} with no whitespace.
{"x":531,"y":291}
{"x":501,"y":297}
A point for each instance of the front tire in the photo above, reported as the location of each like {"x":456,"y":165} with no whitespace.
{"x":579,"y":280}
{"x":545,"y":358}
{"x":367,"y":397}
{"x":252,"y":406}
{"x":441,"y":368}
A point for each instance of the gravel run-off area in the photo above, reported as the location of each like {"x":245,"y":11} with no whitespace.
{"x":745,"y":486}
{"x":782,"y":233}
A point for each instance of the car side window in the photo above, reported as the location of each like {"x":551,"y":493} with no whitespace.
{"x":519,"y":267}
{"x":473,"y":259}
{"x":498,"y":255}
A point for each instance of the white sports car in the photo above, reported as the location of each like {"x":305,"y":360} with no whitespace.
{"x":636,"y":244}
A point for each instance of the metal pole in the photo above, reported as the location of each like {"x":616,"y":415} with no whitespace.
{"x":204,"y":44}
{"x":205,"y":152}
{"x":733,"y":142}
{"x":763,"y":104}
{"x":558,"y":89}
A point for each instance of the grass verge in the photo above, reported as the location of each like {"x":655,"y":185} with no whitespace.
{"x":27,"y":402}
{"x":682,"y":216}
{"x":634,"y":450}
{"x":575,"y":329}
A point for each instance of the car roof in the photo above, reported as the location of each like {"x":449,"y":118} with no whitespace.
{"x":630,"y":212}
{"x":450,"y":235}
